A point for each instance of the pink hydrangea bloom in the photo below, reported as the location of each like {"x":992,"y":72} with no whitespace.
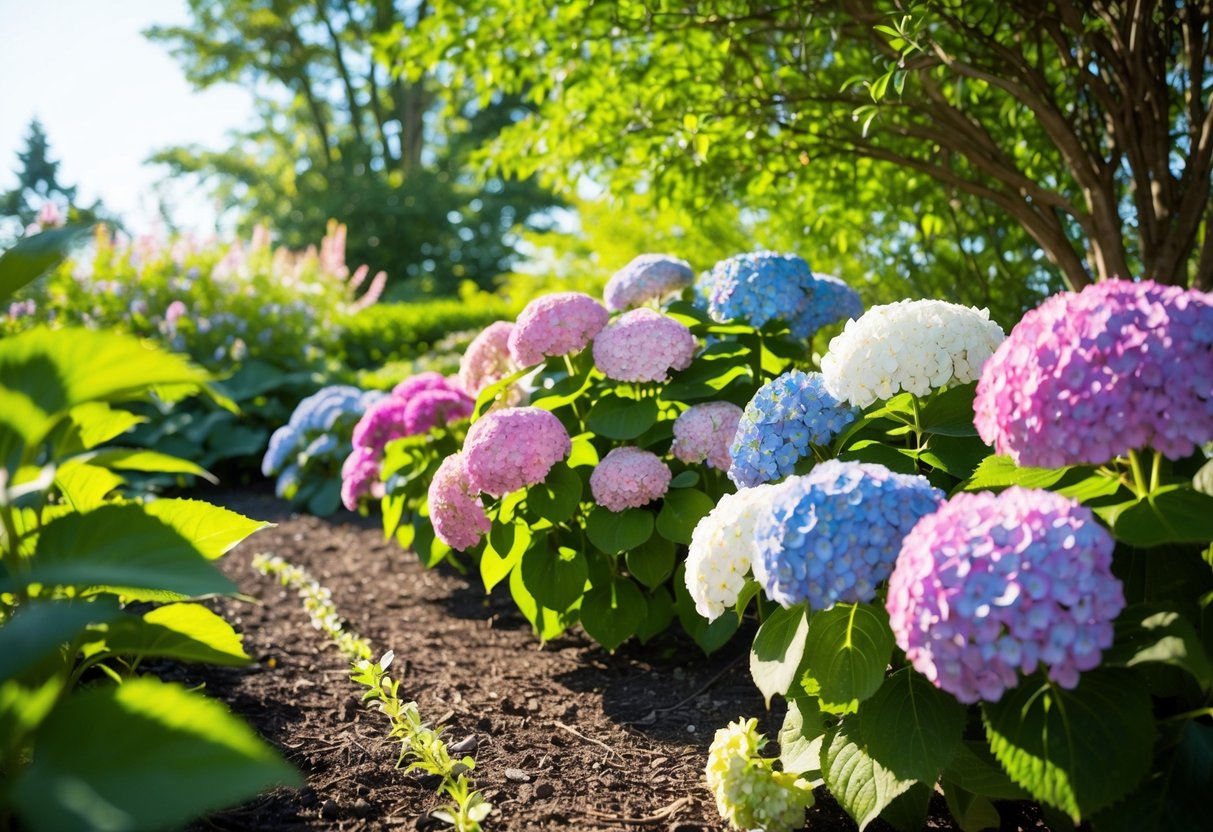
{"x":175,"y":312}
{"x":555,"y":324}
{"x":648,"y":277}
{"x":487,"y":360}
{"x":629,"y":478}
{"x":359,"y":477}
{"x":513,"y":448}
{"x":455,"y":509}
{"x":643,"y":345}
{"x":415,"y":405}
{"x":429,"y":380}
{"x":991,"y":586}
{"x":428,"y":409}
{"x":1087,"y":376}
{"x":704,"y":432}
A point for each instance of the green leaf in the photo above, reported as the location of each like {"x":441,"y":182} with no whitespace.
{"x":616,"y":417}
{"x":489,"y":394}
{"x":1172,"y":514}
{"x":584,"y":453}
{"x":704,"y":379}
{"x":1077,"y":750}
{"x":85,"y":486}
{"x":861,"y":785}
{"x":612,"y":613}
{"x":950,"y":413}
{"x":871,"y":450}
{"x":658,"y":616}
{"x":972,"y":812}
{"x":974,"y":769}
{"x":254,"y":378}
{"x":778,"y":651}
{"x":908,"y":811}
{"x":1203,"y":481}
{"x":545,"y":623}
{"x":996,"y":472}
{"x":326,"y":499}
{"x":214,"y":530}
{"x":97,"y":422}
{"x":123,"y":549}
{"x":652,"y":561}
{"x":800,"y":735}
{"x":680,"y":512}
{"x":555,"y":579}
{"x":557,"y":497}
{"x":35,"y":255}
{"x":617,"y":532}
{"x":1152,"y":634}
{"x":502,"y":552}
{"x":687,"y":479}
{"x":154,"y":756}
{"x":140,"y":459}
{"x":849,"y":647}
{"x":39,"y":628}
{"x":185,"y":632}
{"x":911,"y":727}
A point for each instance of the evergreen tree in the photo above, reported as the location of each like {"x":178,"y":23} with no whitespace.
{"x":37,"y":180}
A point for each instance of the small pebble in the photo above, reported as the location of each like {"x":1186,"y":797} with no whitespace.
{"x":517,"y":775}
{"x":465,"y":746}
{"x":690,"y":729}
{"x":544,"y":791}
{"x":362,"y":809}
{"x":330,"y":810}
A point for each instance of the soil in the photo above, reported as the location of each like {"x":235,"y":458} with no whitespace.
{"x":566,"y":735}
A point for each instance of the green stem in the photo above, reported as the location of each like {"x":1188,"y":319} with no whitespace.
{"x":568,"y":363}
{"x":12,"y":556}
{"x":1139,"y":478}
{"x":917,"y":422}
{"x":1155,"y":472}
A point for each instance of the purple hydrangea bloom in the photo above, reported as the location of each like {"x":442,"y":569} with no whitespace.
{"x":991,"y":586}
{"x":1088,"y":376}
{"x":834,"y":534}
{"x":647,"y":277}
{"x":831,"y":300}
{"x":786,"y":415}
{"x":359,"y":477}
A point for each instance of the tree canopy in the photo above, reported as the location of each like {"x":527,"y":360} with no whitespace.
{"x":338,"y":137}
{"x":976,"y":147}
{"x":38,"y":186}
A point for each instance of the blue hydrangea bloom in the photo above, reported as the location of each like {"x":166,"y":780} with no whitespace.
{"x":830,"y":300}
{"x":786,"y":415}
{"x":834,"y":534}
{"x":321,"y":409}
{"x":758,"y":287}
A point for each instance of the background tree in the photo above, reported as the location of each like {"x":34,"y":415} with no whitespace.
{"x":338,"y":137}
{"x":979,"y":150}
{"x":37,"y":186}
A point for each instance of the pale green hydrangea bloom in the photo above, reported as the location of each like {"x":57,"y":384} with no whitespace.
{"x":750,"y":794}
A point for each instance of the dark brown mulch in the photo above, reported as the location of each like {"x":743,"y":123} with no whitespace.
{"x":567,"y":735}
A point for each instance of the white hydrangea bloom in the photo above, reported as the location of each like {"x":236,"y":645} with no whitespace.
{"x":718,"y":559}
{"x":912,"y":345}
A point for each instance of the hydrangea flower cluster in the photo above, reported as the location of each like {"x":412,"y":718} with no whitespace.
{"x":316,"y":437}
{"x":455,"y":509}
{"x":912,"y":345}
{"x":718,"y":559}
{"x":704,"y":432}
{"x":629,"y":478}
{"x":992,"y":585}
{"x":487,"y":360}
{"x":833,"y":534}
{"x":750,"y":794}
{"x":512,"y":448}
{"x":648,"y":277}
{"x":643,"y":345}
{"x":779,"y":423}
{"x":1088,"y":376}
{"x":416,"y":405}
{"x":555,"y":324}
{"x":761,"y":286}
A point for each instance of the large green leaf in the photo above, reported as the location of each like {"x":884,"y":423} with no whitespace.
{"x":39,"y":628}
{"x":658,"y":615}
{"x":911,"y":727}
{"x":1172,"y":514}
{"x":709,"y":635}
{"x":848,"y":649}
{"x":84,"y":487}
{"x":122,"y":548}
{"x":860,"y":784}
{"x":950,"y":413}
{"x":652,"y":561}
{"x":617,"y":532}
{"x":680,"y":512}
{"x":35,"y":255}
{"x":616,"y":417}
{"x":141,"y":459}
{"x":144,"y":755}
{"x":544,"y":622}
{"x":1001,"y":472}
{"x":214,"y":530}
{"x":800,"y":735}
{"x":557,"y":497}
{"x":185,"y":632}
{"x":778,"y":651}
{"x":97,"y":422}
{"x":612,"y":613}
{"x":975,"y":770}
{"x":1077,"y":750}
{"x":972,"y":812}
{"x":1152,"y":634}
{"x":502,"y":551}
{"x":555,"y":578}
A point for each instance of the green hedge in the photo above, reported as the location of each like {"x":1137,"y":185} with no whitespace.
{"x":404,"y":331}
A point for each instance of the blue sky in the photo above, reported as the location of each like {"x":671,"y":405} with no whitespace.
{"x":108,"y":98}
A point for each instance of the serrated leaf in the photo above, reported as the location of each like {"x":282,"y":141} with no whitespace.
{"x":214,"y":530}
{"x":1150,"y":634}
{"x":1171,"y":514}
{"x":185,"y":632}
{"x":557,"y":497}
{"x":502,"y":552}
{"x":555,"y":578}
{"x":778,"y":651}
{"x":39,"y":628}
{"x":617,"y":532}
{"x":85,"y":486}
{"x":975,"y":770}
{"x":911,"y":727}
{"x":612,"y":613}
{"x":848,"y":649}
{"x":141,"y":459}
{"x":97,"y":422}
{"x":154,"y":756}
{"x":652,"y":561}
{"x":680,"y":512}
{"x":1047,"y":737}
{"x":800,"y":736}
{"x":861,"y":785}
{"x":616,"y":417}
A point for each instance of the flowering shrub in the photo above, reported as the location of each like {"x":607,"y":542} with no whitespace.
{"x":704,"y":432}
{"x":554,"y":325}
{"x":308,"y":453}
{"x":912,"y":345}
{"x":749,"y":793}
{"x":647,"y":278}
{"x":455,"y":508}
{"x":629,"y":478}
{"x":991,"y":586}
{"x":1131,"y":364}
{"x":513,"y":448}
{"x":487,"y":360}
{"x":787,"y":416}
{"x":643,"y":345}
